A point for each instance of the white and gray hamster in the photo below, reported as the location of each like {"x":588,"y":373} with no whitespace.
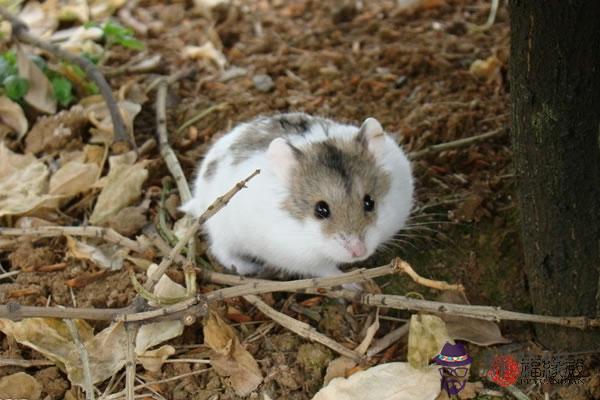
{"x":328,"y":194}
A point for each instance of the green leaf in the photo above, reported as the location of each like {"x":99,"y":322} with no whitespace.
{"x":15,"y":87}
{"x":63,"y":90}
{"x":118,"y":34}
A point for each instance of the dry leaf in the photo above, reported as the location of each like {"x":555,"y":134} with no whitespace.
{"x":488,"y":69}
{"x":230,"y":358}
{"x":52,"y":338}
{"x":12,"y":115}
{"x":41,"y":19}
{"x":53,"y":132}
{"x":426,"y":337}
{"x":478,"y":331}
{"x":205,"y":52}
{"x":20,"y":386}
{"x":392,"y":381}
{"x":24,"y":191}
{"x":40,"y":94}
{"x":73,"y":178}
{"x":74,"y":10}
{"x":100,"y":9}
{"x":12,"y":162}
{"x":150,"y":335}
{"x":122,"y":187}
{"x":338,"y":368}
{"x":99,"y":116}
{"x":153,"y":360}
{"x":107,"y":256}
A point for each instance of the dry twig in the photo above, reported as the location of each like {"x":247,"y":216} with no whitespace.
{"x":436,"y":148}
{"x":300,"y":328}
{"x":131,"y":330}
{"x":403,"y":266}
{"x":122,"y":140}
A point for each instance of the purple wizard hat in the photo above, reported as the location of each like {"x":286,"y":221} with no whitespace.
{"x":453,"y":355}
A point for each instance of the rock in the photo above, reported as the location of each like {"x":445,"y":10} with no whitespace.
{"x":263,"y":83}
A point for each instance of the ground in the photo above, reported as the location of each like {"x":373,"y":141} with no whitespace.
{"x":413,"y":70}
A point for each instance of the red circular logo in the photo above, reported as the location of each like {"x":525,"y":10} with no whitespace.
{"x":504,"y":371}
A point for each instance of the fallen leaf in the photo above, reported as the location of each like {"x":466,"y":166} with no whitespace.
{"x":40,"y":94}
{"x":74,"y":10}
{"x":153,"y":360}
{"x":338,"y":368}
{"x":230,"y":359}
{"x":150,"y":335}
{"x":488,"y":69}
{"x":391,"y":381}
{"x":122,"y":187}
{"x":20,"y":386}
{"x":99,"y":116}
{"x":108,"y":256}
{"x":128,"y":221}
{"x":100,"y":9}
{"x":11,"y":162}
{"x":73,"y":178}
{"x":41,"y":19}
{"x":205,"y":52}
{"x":12,"y":115}
{"x":478,"y":331}
{"x":426,"y":337}
{"x":25,"y":190}
{"x":51,"y":133}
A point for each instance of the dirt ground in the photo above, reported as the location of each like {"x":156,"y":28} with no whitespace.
{"x":412,"y":70}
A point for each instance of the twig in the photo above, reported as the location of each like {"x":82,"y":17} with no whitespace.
{"x":200,"y":115}
{"x":403,"y":266}
{"x":131,"y":330}
{"x":198,"y":305}
{"x":85,"y":359}
{"x":9,"y":274}
{"x":218,"y":204}
{"x":21,"y":31}
{"x":11,"y":362}
{"x":436,"y":148}
{"x":388,"y":340}
{"x":300,"y":328}
{"x":108,"y":234}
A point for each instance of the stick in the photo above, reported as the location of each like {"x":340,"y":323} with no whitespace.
{"x":131,"y":330}
{"x":218,"y":204}
{"x":436,"y":148}
{"x":403,"y":266}
{"x":301,"y":328}
{"x":21,"y":31}
{"x":388,"y":340}
{"x":11,"y":362}
{"x":108,"y":234}
{"x":85,"y":359}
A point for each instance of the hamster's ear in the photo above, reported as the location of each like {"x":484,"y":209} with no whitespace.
{"x":282,"y":158}
{"x":372,"y":136}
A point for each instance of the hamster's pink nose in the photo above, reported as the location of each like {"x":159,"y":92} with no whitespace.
{"x":356,"y":247}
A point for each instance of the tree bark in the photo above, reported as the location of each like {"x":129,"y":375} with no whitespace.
{"x":555,"y":91}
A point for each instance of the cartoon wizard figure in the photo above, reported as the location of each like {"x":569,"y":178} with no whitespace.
{"x":454,"y":365}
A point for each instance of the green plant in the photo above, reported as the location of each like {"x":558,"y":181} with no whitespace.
{"x":117,"y":34}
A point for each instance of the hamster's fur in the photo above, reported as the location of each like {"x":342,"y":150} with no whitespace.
{"x":328,"y":194}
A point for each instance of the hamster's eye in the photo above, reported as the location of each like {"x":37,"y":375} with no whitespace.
{"x":322,"y":210}
{"x":368,"y":203}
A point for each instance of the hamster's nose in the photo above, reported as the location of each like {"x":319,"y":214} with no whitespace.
{"x":356,"y":247}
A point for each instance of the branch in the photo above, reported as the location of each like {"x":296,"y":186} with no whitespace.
{"x":436,"y":148}
{"x":300,"y":328}
{"x":20,"y":30}
{"x":210,"y":211}
{"x":85,"y":359}
{"x":108,"y":234}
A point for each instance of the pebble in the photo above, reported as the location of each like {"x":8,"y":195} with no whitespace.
{"x":263,"y":82}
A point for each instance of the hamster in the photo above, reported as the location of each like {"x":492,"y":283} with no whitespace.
{"x":328,"y":194}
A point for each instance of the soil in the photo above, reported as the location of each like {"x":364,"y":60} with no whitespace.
{"x":411,"y":71}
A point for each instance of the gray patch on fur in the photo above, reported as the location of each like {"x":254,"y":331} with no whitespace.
{"x":340,"y":172}
{"x":211,"y":169}
{"x":260,"y":132}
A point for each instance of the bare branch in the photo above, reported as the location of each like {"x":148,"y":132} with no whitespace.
{"x":436,"y":148}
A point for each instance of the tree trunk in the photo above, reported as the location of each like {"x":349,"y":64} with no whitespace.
{"x":555,"y":91}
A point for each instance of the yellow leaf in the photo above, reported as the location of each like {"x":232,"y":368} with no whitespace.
{"x":426,"y":337}
{"x":73,"y":178}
